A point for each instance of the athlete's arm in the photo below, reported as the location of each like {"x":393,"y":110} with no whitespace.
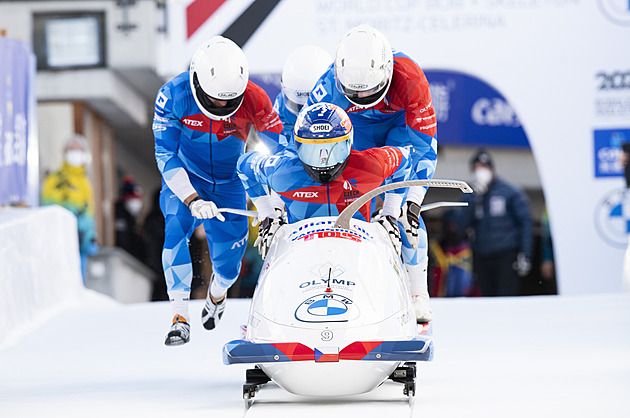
{"x":267,"y":123}
{"x":420,"y":132}
{"x":396,"y":165}
{"x":167,"y":129}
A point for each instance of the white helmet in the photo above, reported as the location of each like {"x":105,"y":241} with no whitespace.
{"x":300,"y":73}
{"x":219,"y":71}
{"x":363,"y":66}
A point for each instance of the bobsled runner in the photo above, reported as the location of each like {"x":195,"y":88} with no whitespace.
{"x":331,"y":314}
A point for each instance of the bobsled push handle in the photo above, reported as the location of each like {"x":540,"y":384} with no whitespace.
{"x":243,"y":212}
{"x":343,"y":221}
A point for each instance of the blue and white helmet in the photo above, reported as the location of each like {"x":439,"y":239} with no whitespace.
{"x":323,"y":137}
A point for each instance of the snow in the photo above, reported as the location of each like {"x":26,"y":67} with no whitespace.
{"x":495,"y":357}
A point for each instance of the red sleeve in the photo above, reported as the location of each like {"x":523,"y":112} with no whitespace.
{"x":265,"y":118}
{"x":415,"y":96}
{"x":389,"y":158}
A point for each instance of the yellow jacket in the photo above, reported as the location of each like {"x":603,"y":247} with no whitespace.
{"x":71,"y":188}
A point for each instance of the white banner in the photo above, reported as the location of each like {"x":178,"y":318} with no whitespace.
{"x":563,"y":65}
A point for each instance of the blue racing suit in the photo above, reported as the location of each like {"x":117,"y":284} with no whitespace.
{"x":196,"y":154}
{"x":404,"y":118}
{"x":306,"y":198}
{"x":287,"y":117}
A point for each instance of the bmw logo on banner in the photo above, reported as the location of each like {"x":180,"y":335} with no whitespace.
{"x":612,"y":217}
{"x":326,"y":307}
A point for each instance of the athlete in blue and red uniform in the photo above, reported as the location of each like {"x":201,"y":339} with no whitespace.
{"x":387,"y":97}
{"x":201,"y":123}
{"x":323,"y":174}
{"x":300,"y":72}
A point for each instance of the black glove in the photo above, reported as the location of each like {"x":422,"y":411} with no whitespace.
{"x":266,"y":232}
{"x":410,"y":220}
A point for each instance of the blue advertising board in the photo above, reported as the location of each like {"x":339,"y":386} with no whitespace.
{"x":15,"y":79}
{"x":469,"y":111}
{"x":607,"y":147}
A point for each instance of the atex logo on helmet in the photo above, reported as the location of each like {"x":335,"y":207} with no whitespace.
{"x":227,"y":95}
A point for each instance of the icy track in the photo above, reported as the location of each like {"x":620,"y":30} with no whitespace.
{"x":502,"y":357}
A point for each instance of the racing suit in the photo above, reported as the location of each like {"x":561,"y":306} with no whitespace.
{"x":404,"y":118}
{"x":196,"y":154}
{"x":306,"y":198}
{"x":287,"y":117}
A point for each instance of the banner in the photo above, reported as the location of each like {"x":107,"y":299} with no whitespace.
{"x":559,"y":69}
{"x":15,"y":76}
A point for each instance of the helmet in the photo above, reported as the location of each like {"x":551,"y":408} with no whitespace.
{"x":300,"y":73}
{"x":323,"y":139}
{"x":219,"y":72}
{"x":363,"y":66}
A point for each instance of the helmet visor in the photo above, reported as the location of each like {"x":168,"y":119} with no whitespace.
{"x":230,"y":107}
{"x":363,"y":97}
{"x":294,"y":100}
{"x":319,"y":154}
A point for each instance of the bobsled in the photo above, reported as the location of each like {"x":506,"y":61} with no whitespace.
{"x":332,"y":314}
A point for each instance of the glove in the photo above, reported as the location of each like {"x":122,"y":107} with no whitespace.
{"x":204,"y":209}
{"x":391,"y":226}
{"x":267,"y":231}
{"x":410,"y":220}
{"x":522,"y":265}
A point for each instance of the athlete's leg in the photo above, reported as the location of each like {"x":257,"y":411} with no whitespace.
{"x":176,"y":262}
{"x":227,"y":242}
{"x":416,"y":263}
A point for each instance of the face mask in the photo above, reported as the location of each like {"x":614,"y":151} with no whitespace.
{"x":134,"y":206}
{"x":75,"y":158}
{"x":483,"y":176}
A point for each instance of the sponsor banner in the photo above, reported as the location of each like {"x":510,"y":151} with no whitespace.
{"x":471,"y":112}
{"x":15,"y":70}
{"x":608,"y":150}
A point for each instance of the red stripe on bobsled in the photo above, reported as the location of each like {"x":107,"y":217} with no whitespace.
{"x":358,"y":349}
{"x":295,"y":351}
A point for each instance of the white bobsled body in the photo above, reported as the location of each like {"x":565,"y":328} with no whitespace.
{"x":331,"y":314}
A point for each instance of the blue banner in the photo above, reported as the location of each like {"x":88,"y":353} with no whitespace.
{"x":15,"y":69}
{"x":608,"y":149}
{"x":472,"y":113}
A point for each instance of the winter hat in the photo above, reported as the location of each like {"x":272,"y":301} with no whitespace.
{"x":129,"y":189}
{"x":482,"y":157}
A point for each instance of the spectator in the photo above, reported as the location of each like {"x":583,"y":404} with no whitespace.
{"x":498,"y":214}
{"x":70,"y":188}
{"x":127,"y":209}
{"x":452,"y":273}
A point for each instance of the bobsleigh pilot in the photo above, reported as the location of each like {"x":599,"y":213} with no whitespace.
{"x":202,"y":120}
{"x":323,"y":175}
{"x":387,"y":97}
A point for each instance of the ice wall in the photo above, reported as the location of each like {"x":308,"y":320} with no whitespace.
{"x":40,"y":272}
